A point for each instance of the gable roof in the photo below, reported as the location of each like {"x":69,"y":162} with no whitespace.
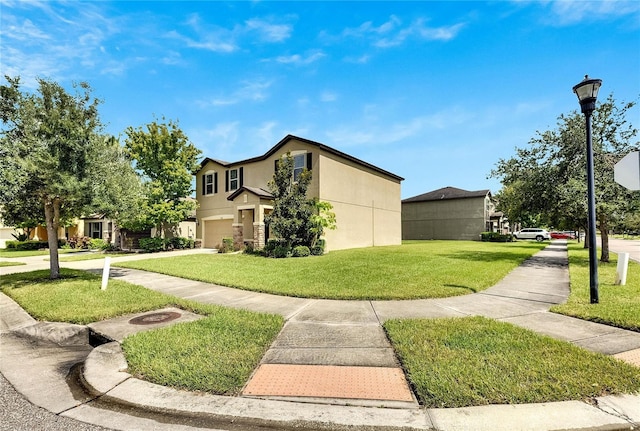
{"x":261,"y":193}
{"x":447,"y":193}
{"x":288,"y":138}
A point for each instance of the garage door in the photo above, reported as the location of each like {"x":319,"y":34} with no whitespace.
{"x":215,"y":230}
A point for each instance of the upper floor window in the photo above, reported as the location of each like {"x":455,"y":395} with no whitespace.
{"x":210,"y":183}
{"x":299,"y":161}
{"x":233,"y":179}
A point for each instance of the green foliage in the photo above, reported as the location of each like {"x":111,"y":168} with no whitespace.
{"x":20,"y":236}
{"x":47,"y":146}
{"x":296,"y":219}
{"x":300,"y":251}
{"x":226,"y":246}
{"x":180,"y":243}
{"x":291,"y":209}
{"x":166,"y":159}
{"x":98,"y":244}
{"x":545,"y":182}
{"x":26,"y":245}
{"x":496,"y":237}
{"x":152,"y":245}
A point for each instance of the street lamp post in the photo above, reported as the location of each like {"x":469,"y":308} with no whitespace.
{"x":587,"y":92}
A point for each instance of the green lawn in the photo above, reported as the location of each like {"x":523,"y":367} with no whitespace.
{"x":618,"y":306}
{"x":215,"y":354}
{"x":4,"y":263}
{"x":416,"y":269}
{"x":460,"y":362}
{"x":6,"y":252}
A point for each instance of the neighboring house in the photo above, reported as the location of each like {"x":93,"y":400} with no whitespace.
{"x":234,"y":197}
{"x":449,"y":213}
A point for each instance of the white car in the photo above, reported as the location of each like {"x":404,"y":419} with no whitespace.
{"x":532,"y":233}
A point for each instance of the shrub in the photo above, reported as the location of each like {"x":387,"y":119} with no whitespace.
{"x":79,"y":241}
{"x":227,"y":246}
{"x":26,"y":245}
{"x":496,"y":237}
{"x":281,"y":251}
{"x":20,"y":236}
{"x":180,"y":243}
{"x":98,"y":244}
{"x":318,"y":249}
{"x":151,"y":245}
{"x":300,"y":251}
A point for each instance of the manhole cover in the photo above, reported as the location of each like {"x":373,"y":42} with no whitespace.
{"x":150,"y":319}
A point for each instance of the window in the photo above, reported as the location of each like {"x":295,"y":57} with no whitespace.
{"x":95,"y":230}
{"x":233,"y":179}
{"x":298,"y":165}
{"x":210,"y":183}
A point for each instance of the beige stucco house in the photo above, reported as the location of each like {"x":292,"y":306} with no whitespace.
{"x":234,"y":197}
{"x":449,"y":213}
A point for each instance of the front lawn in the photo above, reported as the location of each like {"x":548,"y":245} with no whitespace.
{"x":215,"y":354}
{"x":618,"y":306}
{"x":416,"y":269}
{"x":461,"y":362}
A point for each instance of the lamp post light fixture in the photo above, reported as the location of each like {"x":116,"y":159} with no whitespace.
{"x":587,"y":92}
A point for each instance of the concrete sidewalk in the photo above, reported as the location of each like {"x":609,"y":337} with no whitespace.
{"x":318,"y":334}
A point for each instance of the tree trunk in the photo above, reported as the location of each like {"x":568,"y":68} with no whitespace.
{"x":586,"y":238}
{"x":52,"y":218}
{"x":604,"y":237}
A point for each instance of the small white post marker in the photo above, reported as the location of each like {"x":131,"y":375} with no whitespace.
{"x":105,"y":272}
{"x":621,"y":271}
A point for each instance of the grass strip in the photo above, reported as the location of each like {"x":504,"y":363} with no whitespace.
{"x":416,"y":269}
{"x":11,"y":253}
{"x":4,"y":263}
{"x":619,"y":305}
{"x":459,"y":362}
{"x":216,"y":354}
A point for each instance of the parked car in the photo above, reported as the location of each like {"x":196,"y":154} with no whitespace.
{"x":567,"y":234}
{"x":532,"y":233}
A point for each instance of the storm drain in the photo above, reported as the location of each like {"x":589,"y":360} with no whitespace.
{"x":155,"y":318}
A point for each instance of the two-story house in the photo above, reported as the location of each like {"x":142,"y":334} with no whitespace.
{"x":449,"y":213}
{"x":234,"y":197}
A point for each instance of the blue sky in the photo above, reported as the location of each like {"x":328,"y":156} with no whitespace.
{"x":435,"y":92}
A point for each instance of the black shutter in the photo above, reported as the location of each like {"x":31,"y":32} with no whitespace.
{"x":309,"y":161}
{"x":226,"y":180}
{"x":204,"y":184}
{"x":275,"y":165}
{"x":215,"y":182}
{"x":240,"y":174}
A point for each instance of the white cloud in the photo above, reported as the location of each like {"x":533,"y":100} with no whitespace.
{"x":573,"y":12}
{"x":270,"y":32}
{"x":328,"y":96}
{"x":300,"y":60}
{"x":393,"y":32}
{"x":255,"y":91}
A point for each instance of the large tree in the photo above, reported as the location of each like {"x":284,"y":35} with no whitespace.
{"x":47,"y":143}
{"x":166,"y":160}
{"x":120,"y":197}
{"x":546,"y":181}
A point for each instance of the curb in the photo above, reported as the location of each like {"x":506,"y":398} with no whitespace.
{"x":105,"y":376}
